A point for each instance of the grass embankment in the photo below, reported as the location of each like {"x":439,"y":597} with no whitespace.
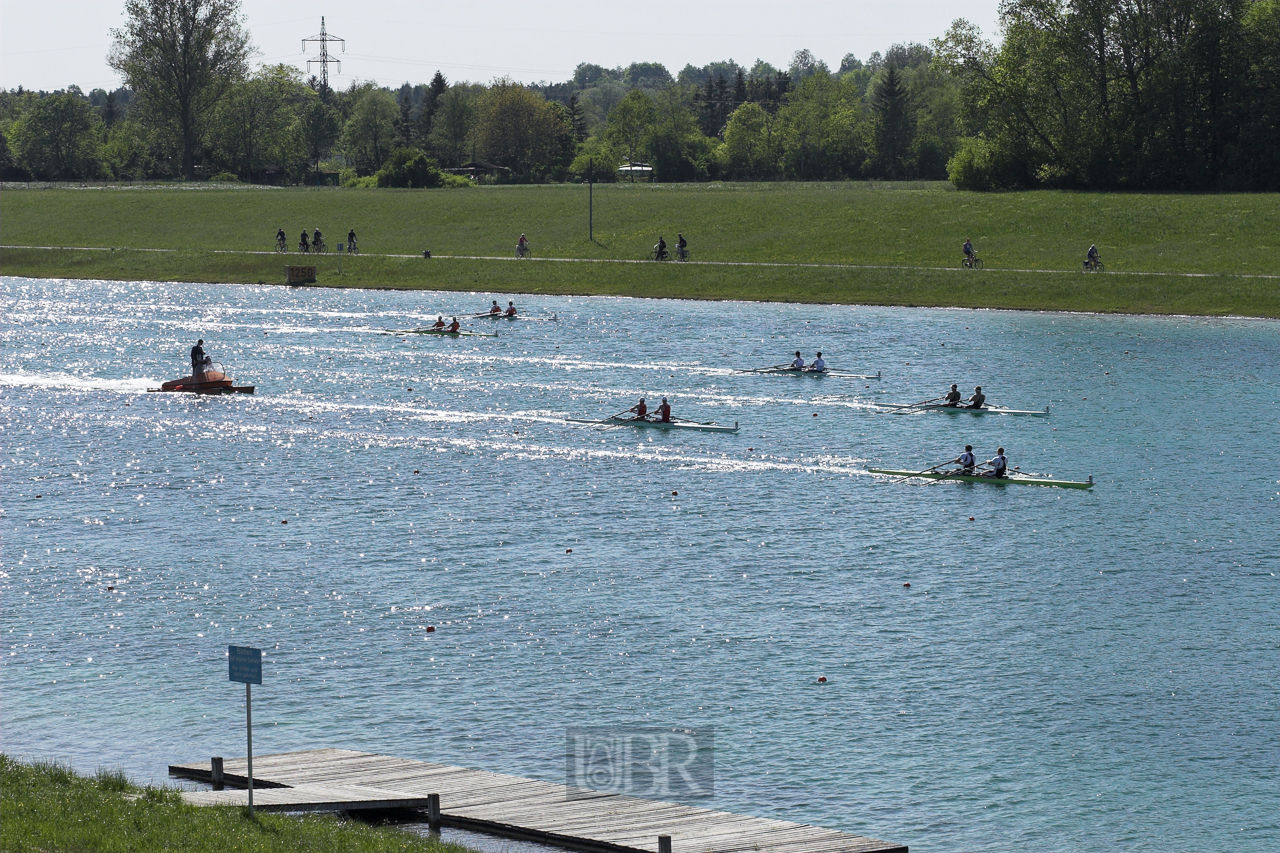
{"x":906,"y":239}
{"x":50,"y":809}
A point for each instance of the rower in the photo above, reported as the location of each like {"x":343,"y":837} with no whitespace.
{"x":641,"y":410}
{"x":999,"y":465}
{"x":664,"y":411}
{"x":439,"y":323}
{"x":978,"y":398}
{"x":511,"y":308}
{"x":495,"y":308}
{"x":818,"y":366}
{"x":798,"y":364}
{"x":966,"y":460}
{"x":952,"y":397}
{"x":454,"y":326}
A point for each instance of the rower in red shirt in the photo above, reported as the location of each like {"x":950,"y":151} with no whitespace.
{"x":454,"y":326}
{"x":664,"y":411}
{"x":511,"y":308}
{"x":641,"y":410}
{"x":439,"y":323}
{"x":495,"y":308}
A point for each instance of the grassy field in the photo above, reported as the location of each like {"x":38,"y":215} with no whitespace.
{"x":46,"y":808}
{"x":905,"y":238}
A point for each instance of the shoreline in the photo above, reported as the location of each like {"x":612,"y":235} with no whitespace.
{"x":1137,"y":293}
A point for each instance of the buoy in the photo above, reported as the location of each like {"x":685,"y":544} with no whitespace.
{"x":39,"y":496}
{"x":415,"y":470}
{"x":907,"y":585}
{"x":111,"y":589}
{"x":673,"y":494}
{"x":1106,"y":373}
{"x":284,"y":521}
{"x":815,"y":414}
{"x":971,"y":518}
{"x":568,"y":550}
{"x":750,"y":448}
{"x":822,"y":679}
{"x":431,"y":629}
{"x":408,"y":389}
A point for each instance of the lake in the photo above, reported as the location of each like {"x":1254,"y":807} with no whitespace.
{"x":1068,"y":669}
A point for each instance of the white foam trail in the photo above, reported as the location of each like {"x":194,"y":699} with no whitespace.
{"x":72,"y":382}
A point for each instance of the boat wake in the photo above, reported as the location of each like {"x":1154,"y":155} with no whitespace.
{"x":71,"y":382}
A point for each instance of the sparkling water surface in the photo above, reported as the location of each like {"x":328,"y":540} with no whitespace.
{"x":1083,"y":670}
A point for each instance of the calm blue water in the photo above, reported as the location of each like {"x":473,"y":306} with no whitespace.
{"x":1068,"y":670}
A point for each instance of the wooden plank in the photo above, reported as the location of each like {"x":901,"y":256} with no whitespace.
{"x":345,"y":780}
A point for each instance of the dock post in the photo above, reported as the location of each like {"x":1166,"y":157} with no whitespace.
{"x":664,"y":844}
{"x":216,"y":764}
{"x":433,"y":812}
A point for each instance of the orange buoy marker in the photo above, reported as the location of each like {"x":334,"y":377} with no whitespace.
{"x":284,"y":521}
{"x":673,"y":494}
{"x":907,"y":585}
{"x":431,"y":629}
{"x":822,"y":679}
{"x":971,"y":518}
{"x":568,"y":550}
{"x":815,"y":414}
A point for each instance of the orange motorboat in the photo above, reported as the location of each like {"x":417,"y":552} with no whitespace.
{"x":212,"y":380}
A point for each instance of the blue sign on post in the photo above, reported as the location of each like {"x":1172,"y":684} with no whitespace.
{"x":244,"y":664}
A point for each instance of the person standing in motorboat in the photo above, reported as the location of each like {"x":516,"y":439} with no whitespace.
{"x":198,"y":360}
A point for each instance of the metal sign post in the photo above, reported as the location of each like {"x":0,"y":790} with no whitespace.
{"x":341,"y":245}
{"x":244,"y":664}
{"x":591,"y":219}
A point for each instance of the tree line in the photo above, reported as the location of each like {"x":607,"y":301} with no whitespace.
{"x":1164,"y":94}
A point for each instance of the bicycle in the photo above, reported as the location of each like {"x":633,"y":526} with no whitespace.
{"x":659,"y":254}
{"x":281,"y":245}
{"x":319,"y":246}
{"x":1094,"y":265}
{"x":682,"y":254}
{"x":351,"y":248}
{"x":972,"y":262}
{"x":303,"y":248}
{"x":524,"y":251}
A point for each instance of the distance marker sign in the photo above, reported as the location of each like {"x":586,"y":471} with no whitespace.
{"x":244,"y":664}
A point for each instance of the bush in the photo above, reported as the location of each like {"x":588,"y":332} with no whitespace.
{"x":411,"y":169}
{"x":970,"y":168}
{"x":224,"y":178}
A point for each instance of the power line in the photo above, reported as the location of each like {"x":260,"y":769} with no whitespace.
{"x":324,"y":59}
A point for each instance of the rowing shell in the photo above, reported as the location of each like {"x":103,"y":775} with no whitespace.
{"x":552,"y":319}
{"x":445,"y":332}
{"x":1011,"y":480}
{"x":636,"y":422}
{"x":804,"y":371}
{"x":985,"y":410}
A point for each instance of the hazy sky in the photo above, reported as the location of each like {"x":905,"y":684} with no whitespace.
{"x":50,"y":44}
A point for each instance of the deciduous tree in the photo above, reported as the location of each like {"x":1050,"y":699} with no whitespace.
{"x":181,"y":57}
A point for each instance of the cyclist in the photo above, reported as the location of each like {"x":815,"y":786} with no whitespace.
{"x":968,"y":252}
{"x":303,"y":246}
{"x":682,"y":247}
{"x":522,"y":246}
{"x":661,"y":249}
{"x":281,"y":240}
{"x":1091,"y":260}
{"x":351,"y":241}
{"x":317,"y":242}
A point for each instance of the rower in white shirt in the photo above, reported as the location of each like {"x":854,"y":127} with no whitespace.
{"x":798,"y":364}
{"x":999,"y":465}
{"x":966,"y":460}
{"x":818,"y":365}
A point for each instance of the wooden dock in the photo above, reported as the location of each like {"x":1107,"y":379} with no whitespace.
{"x":342,"y":780}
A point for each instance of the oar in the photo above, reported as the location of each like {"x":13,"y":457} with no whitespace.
{"x":611,"y":417}
{"x":956,"y":473}
{"x":925,"y":471}
{"x":764,"y":369}
{"x":914,"y":405}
